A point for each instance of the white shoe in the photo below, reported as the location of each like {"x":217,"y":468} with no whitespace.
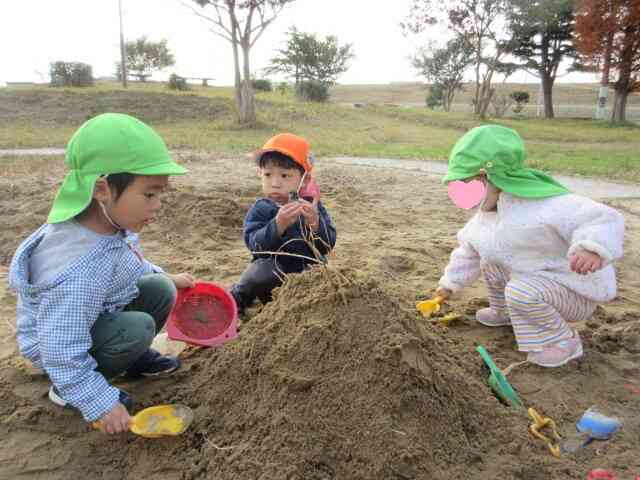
{"x":491,"y":318}
{"x":55,"y":397}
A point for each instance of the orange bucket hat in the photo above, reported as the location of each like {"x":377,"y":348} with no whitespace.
{"x":294,"y":147}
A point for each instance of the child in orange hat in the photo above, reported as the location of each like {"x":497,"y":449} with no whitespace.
{"x":288,"y":228}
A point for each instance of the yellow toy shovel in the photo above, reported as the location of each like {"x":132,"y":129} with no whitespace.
{"x":429,"y":307}
{"x":159,"y":421}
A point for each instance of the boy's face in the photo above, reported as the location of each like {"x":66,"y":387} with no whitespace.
{"x":278,"y":182}
{"x":139,"y":204}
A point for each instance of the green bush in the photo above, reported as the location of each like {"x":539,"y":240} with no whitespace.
{"x":262,"y":85}
{"x":176,"y":82}
{"x":70,"y":74}
{"x":283,"y":88}
{"x":312,"y":90}
{"x":435,"y":97}
{"x":521,"y":98}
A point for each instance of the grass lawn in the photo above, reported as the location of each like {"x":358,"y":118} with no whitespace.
{"x":203,"y":119}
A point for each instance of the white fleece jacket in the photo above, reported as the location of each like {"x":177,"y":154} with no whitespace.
{"x":537,"y":237}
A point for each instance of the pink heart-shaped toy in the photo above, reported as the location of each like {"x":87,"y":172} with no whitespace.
{"x":467,"y":194}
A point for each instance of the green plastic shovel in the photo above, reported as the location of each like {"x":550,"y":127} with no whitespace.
{"x":498,"y":382}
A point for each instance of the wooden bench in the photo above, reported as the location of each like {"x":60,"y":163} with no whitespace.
{"x":204,"y":80}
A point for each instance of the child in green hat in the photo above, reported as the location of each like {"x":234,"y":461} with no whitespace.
{"x":89,"y":304}
{"x":545,"y":254}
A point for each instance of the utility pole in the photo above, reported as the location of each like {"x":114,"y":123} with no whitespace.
{"x":123,"y":55}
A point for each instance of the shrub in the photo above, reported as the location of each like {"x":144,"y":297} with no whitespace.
{"x":435,"y":97}
{"x":262,"y":85}
{"x":521,"y":98}
{"x":176,"y":82}
{"x":312,"y":90}
{"x":283,"y":88}
{"x":70,"y":74}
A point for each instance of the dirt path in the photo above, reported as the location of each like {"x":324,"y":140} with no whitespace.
{"x":396,"y":229}
{"x":590,"y":187}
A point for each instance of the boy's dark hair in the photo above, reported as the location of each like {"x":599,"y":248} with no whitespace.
{"x":278,"y":159}
{"x":120,"y":182}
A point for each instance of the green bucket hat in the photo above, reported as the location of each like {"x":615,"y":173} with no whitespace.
{"x":106,"y":144}
{"x":500,"y":152}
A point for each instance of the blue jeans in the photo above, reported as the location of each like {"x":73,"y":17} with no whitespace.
{"x":120,"y":338}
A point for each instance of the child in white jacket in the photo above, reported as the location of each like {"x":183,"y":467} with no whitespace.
{"x":545,"y":254}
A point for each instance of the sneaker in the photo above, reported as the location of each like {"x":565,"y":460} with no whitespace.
{"x":557,"y":354}
{"x":54,"y":396}
{"x":491,"y":318}
{"x":153,"y":364}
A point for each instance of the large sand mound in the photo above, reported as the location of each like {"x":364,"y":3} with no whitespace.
{"x":334,"y":379}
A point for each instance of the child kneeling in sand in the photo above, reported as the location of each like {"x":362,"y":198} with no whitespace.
{"x":545,"y":254}
{"x":286,"y":230}
{"x":89,"y":303}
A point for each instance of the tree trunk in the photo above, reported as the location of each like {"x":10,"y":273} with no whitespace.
{"x":452,"y":93}
{"x":601,"y":108}
{"x":619,"y":113}
{"x":487,"y":95}
{"x":247,"y":109}
{"x":236,"y":68}
{"x":476,"y":103}
{"x":547,"y":92}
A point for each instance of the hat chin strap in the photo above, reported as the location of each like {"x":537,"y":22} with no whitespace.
{"x":488,"y":186}
{"x":106,"y":215}
{"x":304,"y":175}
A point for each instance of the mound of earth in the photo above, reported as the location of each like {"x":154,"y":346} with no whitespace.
{"x":335,"y":379}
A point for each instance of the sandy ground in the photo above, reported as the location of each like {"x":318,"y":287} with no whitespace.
{"x":396,"y":230}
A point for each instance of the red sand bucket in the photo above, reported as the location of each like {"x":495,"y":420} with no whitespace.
{"x":599,"y":474}
{"x":204,"y":315}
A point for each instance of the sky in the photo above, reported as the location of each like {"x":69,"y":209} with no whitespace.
{"x":37,"y":32}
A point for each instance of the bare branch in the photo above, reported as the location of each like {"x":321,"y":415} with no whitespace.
{"x":216,"y":21}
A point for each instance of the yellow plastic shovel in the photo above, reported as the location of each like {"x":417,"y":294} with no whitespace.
{"x":159,"y":421}
{"x":429,"y":307}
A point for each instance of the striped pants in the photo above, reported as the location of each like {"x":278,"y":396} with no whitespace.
{"x":539,"y":308}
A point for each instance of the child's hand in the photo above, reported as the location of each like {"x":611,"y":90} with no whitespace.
{"x":183,"y":280}
{"x":287,"y":216}
{"x":443,"y":292}
{"x":310,"y":214}
{"x":117,"y":420}
{"x":583,"y":262}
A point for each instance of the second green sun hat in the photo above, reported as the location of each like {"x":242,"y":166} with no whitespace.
{"x":501,"y":153}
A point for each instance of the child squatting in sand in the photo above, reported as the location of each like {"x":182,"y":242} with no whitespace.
{"x":89,"y":304}
{"x":545,"y":254}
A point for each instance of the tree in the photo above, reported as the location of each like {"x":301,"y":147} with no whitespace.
{"x":542,"y":34}
{"x":445,"y":67}
{"x":305,"y":57}
{"x":144,"y":57}
{"x":241,"y":23}
{"x":478,"y":23}
{"x":70,"y":74}
{"x":608,"y":38}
